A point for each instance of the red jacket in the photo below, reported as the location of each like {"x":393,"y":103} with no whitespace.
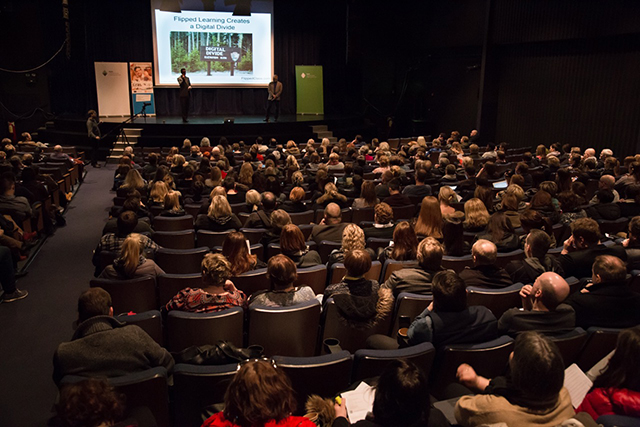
{"x":218,"y":420}
{"x":611,"y":401}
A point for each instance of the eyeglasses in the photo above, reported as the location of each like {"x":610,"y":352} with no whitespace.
{"x":258,"y":359}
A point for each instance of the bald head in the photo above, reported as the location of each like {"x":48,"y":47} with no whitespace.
{"x":484,"y":252}
{"x":550,"y":290}
{"x":589,"y":152}
{"x":607,"y":182}
{"x":332,"y":214}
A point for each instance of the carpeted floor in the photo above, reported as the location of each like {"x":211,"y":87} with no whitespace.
{"x":31,"y":329}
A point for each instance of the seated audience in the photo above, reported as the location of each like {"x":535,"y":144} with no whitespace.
{"x":219,"y":217}
{"x":15,"y":206}
{"x":629,"y":207}
{"x":501,"y":233}
{"x":278,"y":219}
{"x":419,"y":190}
{"x":542,"y":308}
{"x":293,"y":245}
{"x":396,"y":198}
{"x":281,"y":273}
{"x":404,"y":245}
{"x":616,"y":390}
{"x":260,"y":218}
{"x":103,"y":346}
{"x":368,"y":198}
{"x":331,"y":226}
{"x":383,"y":225}
{"x":8,"y":278}
{"x":485,"y":273}
{"x":418,"y":279}
{"x":571,"y":209}
{"x":476,"y":215}
{"x":331,"y":195}
{"x":131,"y":263}
{"x":360,"y":301}
{"x":532,"y":393}
{"x":259,"y":395}
{"x":446,"y":196}
{"x":607,"y":301}
{"x":235,"y":249}
{"x":295,"y":203}
{"x":606,"y":182}
{"x":537,"y":260}
{"x":453,"y":235}
{"x":217,"y":291}
{"x":581,"y":249}
{"x":429,"y":223}
{"x":510,"y":206}
{"x":632,"y":244}
{"x":606,"y":208}
{"x":172,"y":206}
{"x":352,"y":238}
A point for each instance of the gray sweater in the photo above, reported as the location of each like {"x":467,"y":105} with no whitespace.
{"x":103,"y":346}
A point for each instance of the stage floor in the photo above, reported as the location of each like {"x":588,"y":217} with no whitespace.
{"x":217,"y":120}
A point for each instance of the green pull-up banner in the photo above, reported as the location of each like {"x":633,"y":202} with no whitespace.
{"x":309,"y":89}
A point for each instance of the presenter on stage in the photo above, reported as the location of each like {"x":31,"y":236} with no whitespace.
{"x":185,"y":91}
{"x":93,"y":132}
{"x":275,"y":91}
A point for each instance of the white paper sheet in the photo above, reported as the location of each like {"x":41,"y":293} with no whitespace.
{"x":577,"y":383}
{"x":359,"y":402}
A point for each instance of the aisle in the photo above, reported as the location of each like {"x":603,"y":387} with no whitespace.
{"x":31,"y":329}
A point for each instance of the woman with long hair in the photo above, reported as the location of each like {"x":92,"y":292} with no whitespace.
{"x":259,"y":394}
{"x":616,"y":391}
{"x":453,"y":234}
{"x":219,"y":216}
{"x":245,"y":177}
{"x":134,"y":181}
{"x":235,"y":249}
{"x":131,"y":262}
{"x":215,"y":177}
{"x":405,"y":244}
{"x":446,"y":196}
{"x":172,"y":206}
{"x":500,"y":231}
{"x":368,"y":198}
{"x":282,"y":274}
{"x":159,"y":190}
{"x":429,"y":223}
{"x":486,"y":195}
{"x":331,"y":195}
{"x":294,"y":245}
{"x":476,"y":215}
{"x":543,"y":203}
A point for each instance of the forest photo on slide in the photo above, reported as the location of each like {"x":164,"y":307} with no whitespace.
{"x":185,"y":51}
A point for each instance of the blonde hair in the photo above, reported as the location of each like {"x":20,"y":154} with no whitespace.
{"x":352,"y":238}
{"x":253,"y":198}
{"x":159,"y":190}
{"x":216,"y":269}
{"x":476,"y":213}
{"x":291,"y":161}
{"x":133,"y":180}
{"x":130,"y":253}
{"x":246,"y":174}
{"x":447,"y":195}
{"x":218,"y":191}
{"x":516,"y":190}
{"x":219,"y":207}
{"x":172,"y":201}
{"x":331,"y":193}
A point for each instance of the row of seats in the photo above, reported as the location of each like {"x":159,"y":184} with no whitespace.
{"x":196,"y":387}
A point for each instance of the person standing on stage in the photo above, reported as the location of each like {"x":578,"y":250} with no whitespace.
{"x":185,"y":91}
{"x":93,"y":132}
{"x":275,"y":91}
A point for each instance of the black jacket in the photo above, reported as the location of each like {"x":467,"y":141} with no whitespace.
{"x":608,"y":305}
{"x":486,"y":276}
{"x":579,"y":263}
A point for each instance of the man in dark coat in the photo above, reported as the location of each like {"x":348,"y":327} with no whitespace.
{"x":485,"y":273}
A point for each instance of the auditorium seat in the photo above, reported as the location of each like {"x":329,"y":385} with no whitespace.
{"x":391,"y":265}
{"x":496,"y":300}
{"x":410,"y":305}
{"x":404,"y":212}
{"x":181,"y":261}
{"x":505,"y":258}
{"x":211,"y":239}
{"x":252,"y":281}
{"x":325,"y":248}
{"x":570,"y":344}
{"x":613,"y":227}
{"x":315,"y":277}
{"x":195,"y":388}
{"x":136,"y":295}
{"x":351,"y":339}
{"x":148,"y":321}
{"x":186,"y":329}
{"x":457,"y":263}
{"x":300,"y":218}
{"x":286,"y":331}
{"x":362,"y":214}
{"x":325,"y":376}
{"x":370,"y":363}
{"x":377,"y":243}
{"x":173,"y":223}
{"x":253,"y":235}
{"x":170,"y":284}
{"x":600,"y":342}
{"x":184,"y":239}
{"x":489,"y":359}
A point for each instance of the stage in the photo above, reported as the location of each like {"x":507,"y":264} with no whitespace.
{"x":166,"y":131}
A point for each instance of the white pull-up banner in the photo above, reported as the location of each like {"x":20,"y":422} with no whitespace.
{"x":112,"y":86}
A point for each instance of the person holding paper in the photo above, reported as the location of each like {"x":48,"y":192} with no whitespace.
{"x":185,"y":91}
{"x":531,"y":394}
{"x":616,"y":391}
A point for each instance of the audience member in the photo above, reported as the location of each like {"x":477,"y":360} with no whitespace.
{"x":102,"y":346}
{"x":383,"y":226}
{"x":418,"y":279}
{"x":219,"y":217}
{"x":8,"y":278}
{"x":542,"y":308}
{"x":260,"y":218}
{"x":234,"y":248}
{"x":485,"y":273}
{"x":607,"y":301}
{"x":331,"y":227}
{"x":131,"y":262}
{"x":500,"y":231}
{"x":429,"y":223}
{"x":420,"y":189}
{"x":281,"y":273}
{"x":536,"y":261}
{"x":293,"y":245}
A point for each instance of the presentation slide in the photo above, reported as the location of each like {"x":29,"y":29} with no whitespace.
{"x":217,"y":49}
